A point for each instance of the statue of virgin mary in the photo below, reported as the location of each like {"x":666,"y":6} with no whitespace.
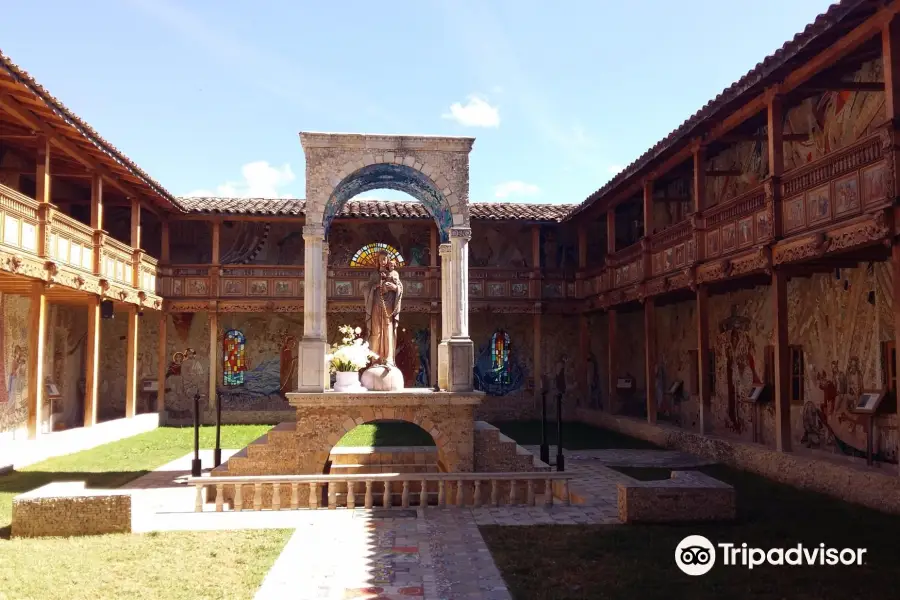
{"x":383,"y":294}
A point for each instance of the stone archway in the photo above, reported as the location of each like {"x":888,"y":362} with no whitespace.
{"x":432,"y":169}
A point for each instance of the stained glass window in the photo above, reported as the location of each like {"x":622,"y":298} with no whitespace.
{"x":366,"y":256}
{"x":234,"y":360}
{"x":500,"y":355}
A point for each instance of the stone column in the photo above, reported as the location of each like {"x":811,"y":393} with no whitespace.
{"x":311,"y":371}
{"x":443,"y":348}
{"x":461,"y":349}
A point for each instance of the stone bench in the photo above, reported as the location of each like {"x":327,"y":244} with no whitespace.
{"x":686,"y":496}
{"x":69,"y":509}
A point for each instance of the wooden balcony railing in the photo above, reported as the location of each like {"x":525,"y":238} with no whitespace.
{"x":383,"y":490}
{"x":40,"y":234}
{"x":20,"y":221}
{"x":71,"y":242}
{"x":735,"y":224}
{"x":672,"y":248}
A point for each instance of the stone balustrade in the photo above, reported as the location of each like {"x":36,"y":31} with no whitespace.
{"x":443,"y":490}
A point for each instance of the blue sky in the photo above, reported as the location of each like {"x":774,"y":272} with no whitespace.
{"x":209,"y":95}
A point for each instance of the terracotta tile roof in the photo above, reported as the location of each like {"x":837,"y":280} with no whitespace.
{"x":72,"y":120}
{"x":376,"y":209}
{"x":742,"y":89}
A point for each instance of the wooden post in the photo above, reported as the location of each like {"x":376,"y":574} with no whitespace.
{"x":164,"y":256}
{"x":92,"y":359}
{"x":214,"y":364}
{"x":162,"y":365}
{"x":703,"y":360}
{"x":650,"y":357}
{"x":782,"y":363}
{"x":216,"y":231}
{"x":135,"y":224}
{"x":584,"y":346}
{"x":131,"y":363}
{"x":699,"y":177}
{"x":890,"y":52}
{"x":538,"y":369}
{"x":611,"y":231}
{"x":37,"y":339}
{"x":648,"y":208}
{"x":42,"y":195}
{"x":97,"y":220}
{"x":612,"y":362}
{"x":582,"y":246}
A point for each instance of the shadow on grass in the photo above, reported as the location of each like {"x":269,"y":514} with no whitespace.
{"x":637,"y":561}
{"x":18,"y":482}
{"x":386,"y":433}
{"x":576,"y":435}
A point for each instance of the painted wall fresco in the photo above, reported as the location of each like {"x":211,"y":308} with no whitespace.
{"x":507,"y":246}
{"x":834,"y":119}
{"x":676,"y":326}
{"x":750,"y":157}
{"x":666,"y":213}
{"x":598,"y":361}
{"x":411,"y":240}
{"x":14,"y":336}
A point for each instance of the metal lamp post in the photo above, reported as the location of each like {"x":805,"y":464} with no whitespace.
{"x":195,"y":464}
{"x":545,"y":447}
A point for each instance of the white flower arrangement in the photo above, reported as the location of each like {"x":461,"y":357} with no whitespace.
{"x":352,"y":354}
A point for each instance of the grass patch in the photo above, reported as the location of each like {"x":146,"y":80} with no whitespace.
{"x":117,"y":463}
{"x":649,"y":473}
{"x":637,"y":561}
{"x":576,"y":435}
{"x":386,"y":433}
{"x":171,"y":565}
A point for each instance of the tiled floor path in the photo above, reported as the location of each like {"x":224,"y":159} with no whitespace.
{"x":433,"y":554}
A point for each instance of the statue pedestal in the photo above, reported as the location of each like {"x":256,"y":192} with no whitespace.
{"x":312,"y":373}
{"x":460,"y":362}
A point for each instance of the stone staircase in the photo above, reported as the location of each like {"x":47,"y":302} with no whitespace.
{"x":498,"y":453}
{"x":273,"y":453}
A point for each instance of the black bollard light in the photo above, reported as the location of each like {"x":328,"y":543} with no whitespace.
{"x":195,"y":464}
{"x":217,"y":453}
{"x":545,"y":447}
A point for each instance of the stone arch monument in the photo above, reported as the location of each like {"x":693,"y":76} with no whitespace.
{"x":432,"y":169}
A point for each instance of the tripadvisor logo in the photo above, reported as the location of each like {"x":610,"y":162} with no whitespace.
{"x":696,"y":555}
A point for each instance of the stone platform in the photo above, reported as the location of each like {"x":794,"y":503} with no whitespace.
{"x":323,"y":418}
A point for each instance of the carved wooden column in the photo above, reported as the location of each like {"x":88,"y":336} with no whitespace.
{"x":214,"y":268}
{"x":92,"y":361}
{"x":131,"y":362}
{"x":537,"y":287}
{"x":37,"y":339}
{"x":890,"y":47}
{"x":537,"y":353}
{"x":136,"y":242}
{"x":582,"y":260}
{"x":311,"y":371}
{"x":97,"y":221}
{"x":703,"y":360}
{"x":162,"y":365}
{"x":699,"y":187}
{"x":775,"y":140}
{"x":782,"y":362}
{"x":612,"y":373}
{"x":650,"y":357}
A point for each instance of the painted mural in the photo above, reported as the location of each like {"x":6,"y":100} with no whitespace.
{"x":676,"y":327}
{"x":834,"y":119}
{"x":750,"y":158}
{"x":14,"y":336}
{"x":495,"y":246}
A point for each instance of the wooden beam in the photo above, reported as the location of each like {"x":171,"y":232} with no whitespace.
{"x":131,"y":362}
{"x":216,"y":245}
{"x":162,"y":364}
{"x":30,"y":119}
{"x":818,"y":86}
{"x":96,"y":201}
{"x":92,"y":361}
{"x":703,"y":360}
{"x":890,"y":48}
{"x":37,"y":339}
{"x":612,"y":370}
{"x":650,"y":358}
{"x":782,"y":362}
{"x":775,"y":133}
{"x":535,"y":246}
{"x":42,"y":171}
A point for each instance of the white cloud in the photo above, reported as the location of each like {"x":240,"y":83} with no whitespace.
{"x":515,"y":188}
{"x":259,"y":180}
{"x":614,"y":169}
{"x":477,"y":112}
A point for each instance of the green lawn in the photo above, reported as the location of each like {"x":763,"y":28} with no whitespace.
{"x":637,"y":561}
{"x":172,"y":566}
{"x":576,"y":436}
{"x":114,"y":464}
{"x":386,"y":433}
